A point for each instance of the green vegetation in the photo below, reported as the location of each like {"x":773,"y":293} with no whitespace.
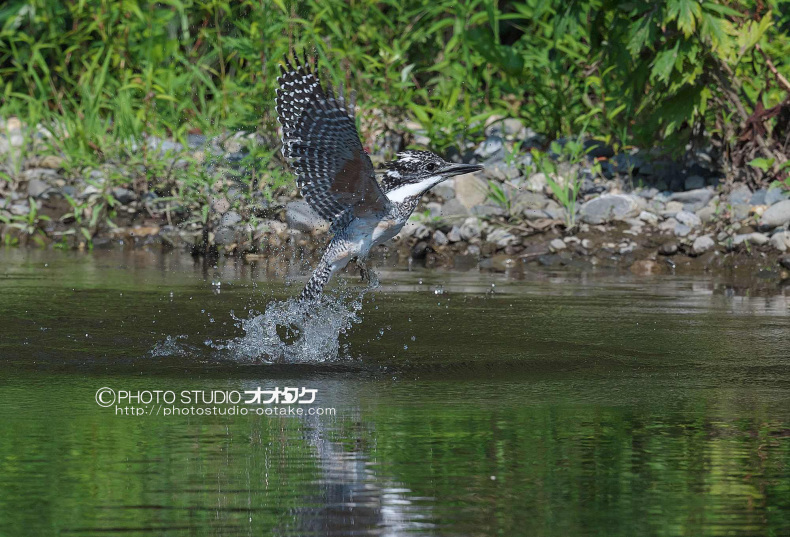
{"x":99,"y":77}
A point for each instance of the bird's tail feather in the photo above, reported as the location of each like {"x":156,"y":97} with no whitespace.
{"x":315,"y":286}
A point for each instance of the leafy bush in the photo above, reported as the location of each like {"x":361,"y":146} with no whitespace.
{"x":669,"y":71}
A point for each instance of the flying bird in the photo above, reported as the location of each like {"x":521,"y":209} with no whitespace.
{"x":337,"y":178}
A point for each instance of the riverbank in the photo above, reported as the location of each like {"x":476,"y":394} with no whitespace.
{"x":568,"y":202}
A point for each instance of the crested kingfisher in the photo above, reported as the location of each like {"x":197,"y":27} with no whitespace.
{"x":337,"y":178}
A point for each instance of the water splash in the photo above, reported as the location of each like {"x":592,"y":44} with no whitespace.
{"x":294,"y":332}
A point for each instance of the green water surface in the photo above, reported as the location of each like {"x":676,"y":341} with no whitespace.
{"x":464,"y":404}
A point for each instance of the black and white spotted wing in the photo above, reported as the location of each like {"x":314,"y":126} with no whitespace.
{"x":321,"y":142}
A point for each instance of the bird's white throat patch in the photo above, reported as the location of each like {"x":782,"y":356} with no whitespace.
{"x":411,"y":190}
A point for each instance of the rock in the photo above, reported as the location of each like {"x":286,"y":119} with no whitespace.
{"x":668,"y":225}
{"x":434,"y":209}
{"x":644,"y":267}
{"x":89,"y":191}
{"x":689,"y":219}
{"x":454,"y":208}
{"x":421,"y":232}
{"x":706,"y":214}
{"x":523,"y":200}
{"x":758,"y":239}
{"x":220,"y":205}
{"x":36,"y":187}
{"x":740,"y":211}
{"x":123,"y":195}
{"x":702,"y":245}
{"x":408,"y":229}
{"x":681,"y":230}
{"x":502,"y":238}
{"x":776,"y":194}
{"x":230,"y":219}
{"x":694,"y":182}
{"x":781,"y":241}
{"x":648,"y":218}
{"x":440,"y":239}
{"x":672,"y":208}
{"x":51,"y":162}
{"x":20,"y":209}
{"x":785,"y":261}
{"x":488,"y":209}
{"x":454,"y":235}
{"x":741,"y":194}
{"x":492,"y":148}
{"x":668,"y":248}
{"x":776,"y":215}
{"x":609,"y":207}
{"x":502,"y":171}
{"x":445,"y":190}
{"x":224,"y":236}
{"x":693,"y":199}
{"x":470,"y":190}
{"x":537,"y":182}
{"x":758,"y":198}
{"x":300,"y":216}
{"x":470,"y":229}
{"x":556,"y":245}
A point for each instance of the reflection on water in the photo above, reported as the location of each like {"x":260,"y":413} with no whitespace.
{"x":465,"y":404}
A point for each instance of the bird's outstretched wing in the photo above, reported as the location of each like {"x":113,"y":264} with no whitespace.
{"x":321,"y":142}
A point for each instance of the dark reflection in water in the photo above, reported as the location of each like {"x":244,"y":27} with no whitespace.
{"x":560,"y":404}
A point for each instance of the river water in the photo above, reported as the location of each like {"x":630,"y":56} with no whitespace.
{"x":445,"y":402}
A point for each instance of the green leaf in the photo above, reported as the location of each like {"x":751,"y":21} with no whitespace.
{"x":763,"y":164}
{"x":664,"y":63}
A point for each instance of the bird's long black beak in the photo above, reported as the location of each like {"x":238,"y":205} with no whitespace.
{"x":459,"y":169}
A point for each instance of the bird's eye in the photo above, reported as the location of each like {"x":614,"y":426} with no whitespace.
{"x":430,"y":166}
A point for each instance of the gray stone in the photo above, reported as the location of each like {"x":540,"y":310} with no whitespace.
{"x":434,"y":209}
{"x":776,"y":215}
{"x":89,"y":191}
{"x":672,"y":208}
{"x":537,"y":182}
{"x":702,"y":245}
{"x":694,"y":182}
{"x":502,"y":171}
{"x":470,"y":190}
{"x":300,"y":216}
{"x":668,"y":248}
{"x":439,"y":238}
{"x":689,"y":219}
{"x":556,"y":245}
{"x":668,"y":225}
{"x":487,"y":209}
{"x":706,"y":214}
{"x":470,"y":229}
{"x":741,"y":194}
{"x":758,"y":198}
{"x":123,"y":195}
{"x":741,"y":211}
{"x":454,"y":235}
{"x":20,"y":209}
{"x":693,"y":199}
{"x":535,"y":214}
{"x":229,"y":219}
{"x":609,"y":207}
{"x":491,"y":147}
{"x":523,"y":200}
{"x":781,"y":241}
{"x":225,"y":235}
{"x":41,"y":174}
{"x":502,"y":238}
{"x":454,"y":208}
{"x":758,"y":239}
{"x":681,"y":230}
{"x":648,"y":218}
{"x":445,"y":190}
{"x":421,"y":232}
{"x":36,"y":187}
{"x":785,"y":262}
{"x":776,"y":194}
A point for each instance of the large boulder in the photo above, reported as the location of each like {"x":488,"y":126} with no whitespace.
{"x":609,"y":207}
{"x":776,"y":215}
